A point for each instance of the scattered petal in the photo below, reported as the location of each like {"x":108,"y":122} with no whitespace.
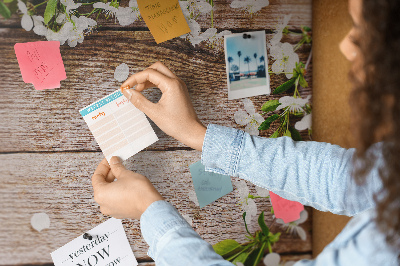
{"x":193,"y":197}
{"x":121,"y":72}
{"x":262,"y":192}
{"x":40,"y":221}
{"x":272,"y":259}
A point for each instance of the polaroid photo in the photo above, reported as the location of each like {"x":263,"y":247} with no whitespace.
{"x":246,"y":64}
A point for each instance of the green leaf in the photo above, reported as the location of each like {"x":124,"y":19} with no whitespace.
{"x":270,"y":106}
{"x":287,"y":133}
{"x":50,"y":10}
{"x":241,"y":258}
{"x":285,"y":86}
{"x":251,"y":259}
{"x":4,"y":11}
{"x":274,"y":135}
{"x":8,"y":1}
{"x":260,"y":254}
{"x":261,"y":223}
{"x":307,"y":29}
{"x":267,"y":122}
{"x":272,"y":210}
{"x":295,"y":134}
{"x":303,"y":82}
{"x":244,"y":219}
{"x":226,"y":247}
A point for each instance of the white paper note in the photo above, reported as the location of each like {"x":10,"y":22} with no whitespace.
{"x":108,"y":247}
{"x":118,"y":126}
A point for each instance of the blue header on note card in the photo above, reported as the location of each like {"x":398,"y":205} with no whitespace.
{"x":101,"y":103}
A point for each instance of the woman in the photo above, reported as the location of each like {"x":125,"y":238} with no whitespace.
{"x":316,"y":174}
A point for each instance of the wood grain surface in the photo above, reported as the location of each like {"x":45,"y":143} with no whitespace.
{"x":48,"y":153}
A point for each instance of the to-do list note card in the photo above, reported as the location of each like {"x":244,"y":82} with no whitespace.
{"x":118,"y":126}
{"x":209,"y":186}
{"x":108,"y":246}
{"x":41,"y":64}
{"x":164,"y":19}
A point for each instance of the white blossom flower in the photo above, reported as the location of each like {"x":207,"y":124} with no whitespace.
{"x":293,"y":227}
{"x":70,"y":6}
{"x":304,"y":123}
{"x":70,"y":33}
{"x":274,"y":259}
{"x":285,"y":58}
{"x":203,"y":6}
{"x":251,"y":6}
{"x":124,"y":15}
{"x":248,"y":205}
{"x":250,"y":118}
{"x":26,"y":21}
{"x":38,"y":25}
{"x":295,"y":104}
{"x":279,"y":30}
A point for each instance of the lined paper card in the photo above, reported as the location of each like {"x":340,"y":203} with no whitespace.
{"x":118,"y":126}
{"x":108,"y":246}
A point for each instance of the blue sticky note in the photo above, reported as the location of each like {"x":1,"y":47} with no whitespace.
{"x":209,"y":186}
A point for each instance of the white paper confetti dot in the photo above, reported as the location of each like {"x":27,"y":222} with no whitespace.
{"x":121,"y":72}
{"x":40,"y":221}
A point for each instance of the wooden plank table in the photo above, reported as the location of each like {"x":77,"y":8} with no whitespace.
{"x":48,"y":153}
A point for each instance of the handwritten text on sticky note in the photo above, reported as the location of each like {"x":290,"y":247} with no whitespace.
{"x":164,"y":19}
{"x":108,"y":246}
{"x":209,"y":186}
{"x":41,"y":63}
{"x":284,"y":209}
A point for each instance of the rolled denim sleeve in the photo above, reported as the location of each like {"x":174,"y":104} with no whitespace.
{"x":313,"y":173}
{"x":172,"y":240}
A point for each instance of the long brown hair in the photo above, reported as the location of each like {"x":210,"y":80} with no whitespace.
{"x":376,"y":102}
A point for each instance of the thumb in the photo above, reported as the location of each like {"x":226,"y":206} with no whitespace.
{"x":138,"y":100}
{"x":117,"y":167}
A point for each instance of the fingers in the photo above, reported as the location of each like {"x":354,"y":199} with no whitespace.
{"x":117,"y":167}
{"x":140,"y":102}
{"x":100,"y":174}
{"x":160,"y":67}
{"x":157,"y":78}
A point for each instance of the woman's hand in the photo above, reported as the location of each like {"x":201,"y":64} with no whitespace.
{"x":127,"y":197}
{"x":174,"y":113}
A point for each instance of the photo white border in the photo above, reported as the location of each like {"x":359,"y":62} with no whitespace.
{"x":247,"y":92}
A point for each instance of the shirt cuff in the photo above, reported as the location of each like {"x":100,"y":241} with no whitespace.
{"x":222,"y":148}
{"x":157,"y":220}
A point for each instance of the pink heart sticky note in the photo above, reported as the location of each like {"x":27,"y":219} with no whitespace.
{"x":41,"y":64}
{"x":284,"y":209}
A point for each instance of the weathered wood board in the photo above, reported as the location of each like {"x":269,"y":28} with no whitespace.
{"x":49,"y":120}
{"x":48,"y":153}
{"x":59,"y":184}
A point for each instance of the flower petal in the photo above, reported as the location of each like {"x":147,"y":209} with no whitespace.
{"x":193,"y":197}
{"x":249,"y":106}
{"x":262,"y":192}
{"x":304,"y":123}
{"x":302,"y":234}
{"x":258,"y":118}
{"x":22,"y":7}
{"x":303,"y":217}
{"x":241,"y":117}
{"x":272,"y":259}
{"x":26,"y":22}
{"x":121,"y":72}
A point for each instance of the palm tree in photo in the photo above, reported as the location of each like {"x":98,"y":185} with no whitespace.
{"x":247,"y":60}
{"x":230,"y":60}
{"x":255,"y":58}
{"x":262,"y":59}
{"x":239,"y":54}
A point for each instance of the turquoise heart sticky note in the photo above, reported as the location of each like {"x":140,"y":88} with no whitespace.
{"x":209,"y":186}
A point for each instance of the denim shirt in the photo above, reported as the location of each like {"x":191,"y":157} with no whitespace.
{"x":312,"y":173}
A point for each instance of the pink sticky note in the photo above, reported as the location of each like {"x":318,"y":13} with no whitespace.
{"x":41,"y":64}
{"x":284,"y":209}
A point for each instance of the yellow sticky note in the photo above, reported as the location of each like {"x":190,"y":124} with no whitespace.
{"x":164,"y":18}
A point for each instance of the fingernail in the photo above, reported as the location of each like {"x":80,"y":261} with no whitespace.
{"x":115,"y":160}
{"x":128,"y":93}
